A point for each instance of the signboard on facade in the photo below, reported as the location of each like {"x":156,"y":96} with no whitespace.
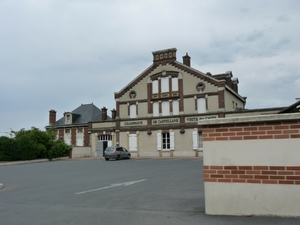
{"x":199,"y":118}
{"x":165,"y":121}
{"x":134,"y":123}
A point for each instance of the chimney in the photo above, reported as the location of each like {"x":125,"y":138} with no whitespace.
{"x":104,"y":113}
{"x":235,"y":83}
{"x":113,"y":114}
{"x":187,"y":60}
{"x":52,"y":116}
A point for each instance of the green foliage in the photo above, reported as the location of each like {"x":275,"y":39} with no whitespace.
{"x":32,"y":144}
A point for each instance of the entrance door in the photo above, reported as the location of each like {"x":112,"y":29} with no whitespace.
{"x":101,"y":146}
{"x":103,"y":142}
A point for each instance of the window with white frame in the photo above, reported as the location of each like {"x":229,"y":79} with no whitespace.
{"x":174,"y":83}
{"x":175,"y":107}
{"x":68,"y":119}
{"x":165,"y":84}
{"x":155,"y":86}
{"x":165,"y":141}
{"x":79,"y":137}
{"x":105,"y":137}
{"x":165,"y":108}
{"x":132,"y":142}
{"x":132,"y":111}
{"x":67,"y":136}
{"x":155,"y":106}
{"x":201,"y":105}
{"x":197,"y":140}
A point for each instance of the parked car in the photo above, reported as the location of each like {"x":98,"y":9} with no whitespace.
{"x":116,"y":153}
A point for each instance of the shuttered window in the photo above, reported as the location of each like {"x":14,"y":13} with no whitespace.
{"x":165,"y":84}
{"x":166,"y":141}
{"x":201,"y":105}
{"x":158,"y":141}
{"x":174,"y":83}
{"x":67,"y":137}
{"x":165,"y":108}
{"x":175,"y":107}
{"x":132,"y":142}
{"x":132,"y":111}
{"x":155,"y":109}
{"x":79,"y":137}
{"x":155,"y":86}
{"x":197,"y":140}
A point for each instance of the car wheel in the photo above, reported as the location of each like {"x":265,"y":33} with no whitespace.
{"x":118,"y":157}
{"x":106,"y":159}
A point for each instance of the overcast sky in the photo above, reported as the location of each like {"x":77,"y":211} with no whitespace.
{"x":59,"y":54}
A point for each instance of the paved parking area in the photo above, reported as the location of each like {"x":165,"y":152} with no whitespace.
{"x":93,"y":191}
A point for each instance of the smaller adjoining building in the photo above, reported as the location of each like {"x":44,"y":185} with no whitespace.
{"x":73,"y":127}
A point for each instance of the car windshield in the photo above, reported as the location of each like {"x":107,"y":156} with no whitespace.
{"x":109,"y":149}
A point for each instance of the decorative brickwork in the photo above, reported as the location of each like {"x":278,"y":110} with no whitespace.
{"x":73,"y":136}
{"x":86,"y":138}
{"x":252,"y":131}
{"x":253,"y":174}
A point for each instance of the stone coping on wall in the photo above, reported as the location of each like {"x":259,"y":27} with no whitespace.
{"x":249,"y":119}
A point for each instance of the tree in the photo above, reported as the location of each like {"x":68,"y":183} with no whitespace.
{"x":32,"y":144}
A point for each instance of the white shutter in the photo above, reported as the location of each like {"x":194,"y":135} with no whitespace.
{"x":165,"y":84}
{"x":165,"y":108}
{"x":175,"y":105}
{"x":132,"y":142}
{"x":172,"y":143}
{"x":174,"y":83}
{"x":158,"y":141}
{"x":133,"y":111}
{"x":67,"y":138}
{"x":79,"y":139}
{"x":201,"y":104}
{"x":155,"y":109}
{"x":195,"y":140}
{"x":155,"y":86}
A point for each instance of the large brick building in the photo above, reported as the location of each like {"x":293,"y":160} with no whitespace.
{"x":157,"y":113}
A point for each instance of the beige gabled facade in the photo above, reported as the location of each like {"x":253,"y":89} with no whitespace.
{"x":157,"y":113}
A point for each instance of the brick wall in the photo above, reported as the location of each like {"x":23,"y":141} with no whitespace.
{"x":252,"y":165}
{"x":252,"y":131}
{"x":253,"y":174}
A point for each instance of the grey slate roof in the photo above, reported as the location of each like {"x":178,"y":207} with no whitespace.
{"x":82,"y":116}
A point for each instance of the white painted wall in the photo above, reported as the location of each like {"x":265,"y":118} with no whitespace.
{"x":271,"y":152}
{"x":252,"y":199}
{"x":78,"y":152}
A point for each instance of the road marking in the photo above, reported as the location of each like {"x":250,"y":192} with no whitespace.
{"x":112,"y":186}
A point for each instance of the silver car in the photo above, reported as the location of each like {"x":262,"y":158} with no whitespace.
{"x":116,"y":153}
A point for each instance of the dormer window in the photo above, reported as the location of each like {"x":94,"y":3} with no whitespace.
{"x":68,"y":118}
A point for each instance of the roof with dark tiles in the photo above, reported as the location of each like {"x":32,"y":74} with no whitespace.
{"x":82,"y":115}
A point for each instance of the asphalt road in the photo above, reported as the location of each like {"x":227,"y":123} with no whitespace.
{"x":93,"y":191}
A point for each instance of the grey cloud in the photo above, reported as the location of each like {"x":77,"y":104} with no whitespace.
{"x":59,"y":54}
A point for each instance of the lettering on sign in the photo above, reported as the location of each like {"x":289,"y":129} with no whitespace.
{"x":133,"y":123}
{"x":198,"y":118}
{"x":165,"y":121}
